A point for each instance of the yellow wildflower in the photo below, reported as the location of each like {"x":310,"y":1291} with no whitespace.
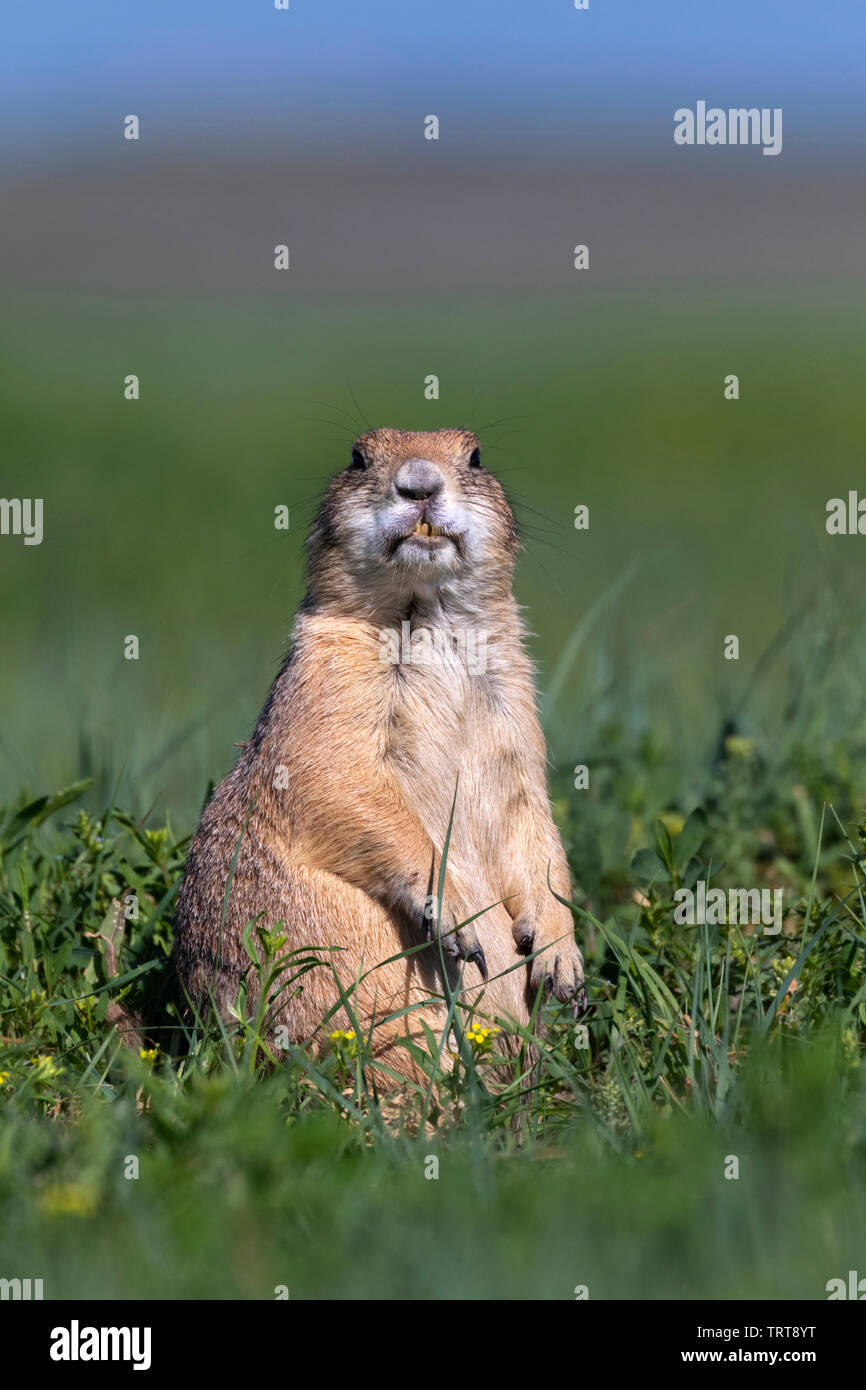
{"x":481,"y":1038}
{"x":346,"y":1041}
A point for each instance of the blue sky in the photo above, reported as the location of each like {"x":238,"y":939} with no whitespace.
{"x":212,"y":72}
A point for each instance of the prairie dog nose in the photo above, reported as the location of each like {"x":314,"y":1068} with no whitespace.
{"x":418,"y":480}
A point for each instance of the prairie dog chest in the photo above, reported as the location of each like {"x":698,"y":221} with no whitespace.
{"x":437,"y":680}
{"x":444,"y":719}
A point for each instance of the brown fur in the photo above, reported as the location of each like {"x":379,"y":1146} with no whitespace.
{"x":342,"y":797}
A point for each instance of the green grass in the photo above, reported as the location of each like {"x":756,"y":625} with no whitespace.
{"x":706,"y":519}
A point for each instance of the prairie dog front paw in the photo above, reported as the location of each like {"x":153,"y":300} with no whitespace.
{"x":557,"y":968}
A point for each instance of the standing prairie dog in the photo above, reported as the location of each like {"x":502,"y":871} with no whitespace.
{"x":407,"y":680}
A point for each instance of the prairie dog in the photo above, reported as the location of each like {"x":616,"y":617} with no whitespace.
{"x":407,"y":680}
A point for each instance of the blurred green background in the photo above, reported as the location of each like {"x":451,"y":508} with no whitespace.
{"x":409,"y":257}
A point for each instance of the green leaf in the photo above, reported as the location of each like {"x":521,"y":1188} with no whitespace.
{"x":664,"y":845}
{"x":690,"y":838}
{"x":647,"y":865}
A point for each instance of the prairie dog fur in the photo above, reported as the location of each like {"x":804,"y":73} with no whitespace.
{"x":341,"y":800}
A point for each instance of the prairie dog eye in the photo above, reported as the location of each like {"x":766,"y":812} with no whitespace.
{"x":475,"y":458}
{"x":359,"y":463}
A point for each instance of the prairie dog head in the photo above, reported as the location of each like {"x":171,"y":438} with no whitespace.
{"x":413,"y":516}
